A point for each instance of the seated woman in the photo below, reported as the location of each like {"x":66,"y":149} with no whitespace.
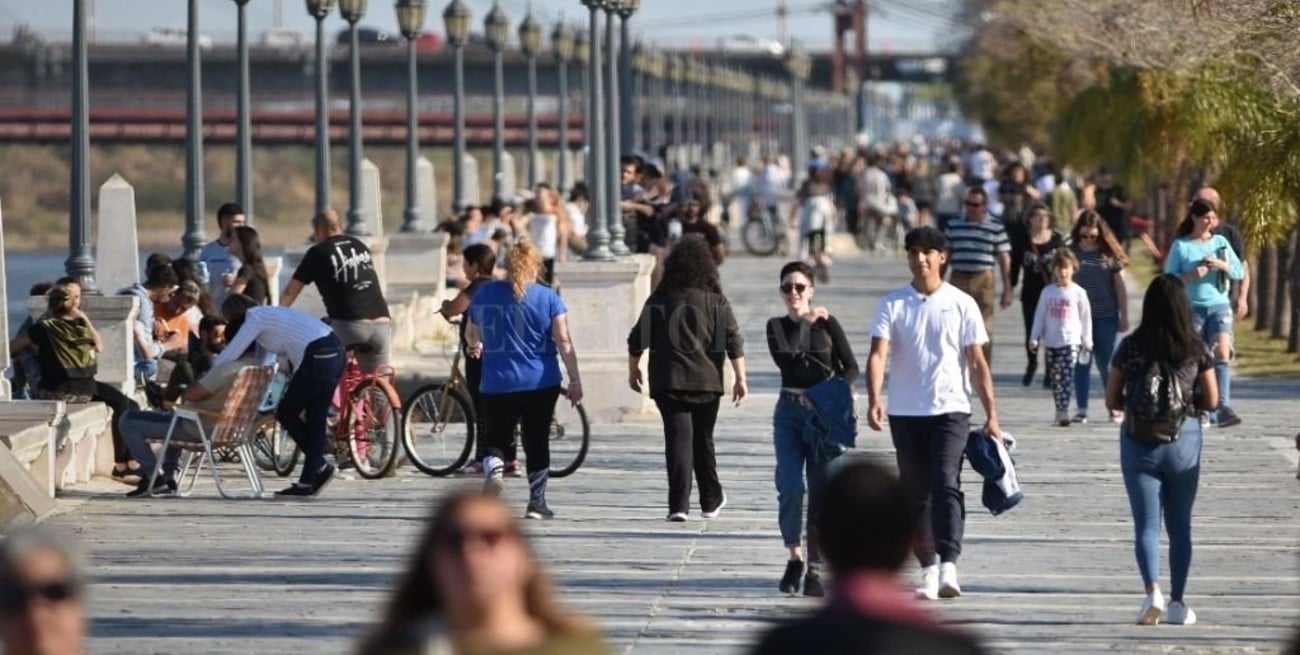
{"x":66,"y":346}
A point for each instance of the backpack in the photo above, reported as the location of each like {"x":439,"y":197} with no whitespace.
{"x":73,"y":344}
{"x":1155,"y":403}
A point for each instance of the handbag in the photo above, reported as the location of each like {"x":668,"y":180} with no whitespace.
{"x":834,"y":425}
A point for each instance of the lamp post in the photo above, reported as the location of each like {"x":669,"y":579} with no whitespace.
{"x":655,"y":61}
{"x":530,"y":41}
{"x":627,"y":107}
{"x":798,"y":64}
{"x":320,"y":10}
{"x":582,"y":56}
{"x":243,"y":124}
{"x":593,"y":122}
{"x":677,"y":68}
{"x":80,"y":263}
{"x":613,"y":136}
{"x":562,"y":45}
{"x":455,"y":19}
{"x":410,"y":20}
{"x":496,"y":27}
{"x":352,"y":11}
{"x":636,"y":102}
{"x":193,"y":239}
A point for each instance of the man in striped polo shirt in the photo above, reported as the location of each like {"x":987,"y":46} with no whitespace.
{"x":979,"y":246}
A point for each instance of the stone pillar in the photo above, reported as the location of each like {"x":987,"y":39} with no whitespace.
{"x":469,"y":171}
{"x":117,"y":252}
{"x":114,"y":318}
{"x":509,"y":175}
{"x":416,"y":285}
{"x":426,"y":193}
{"x":273,"y":267}
{"x":308,"y":299}
{"x":5,"y":392}
{"x":371,"y":198}
{"x":569,"y":170}
{"x":537,"y":163}
{"x":604,"y":300}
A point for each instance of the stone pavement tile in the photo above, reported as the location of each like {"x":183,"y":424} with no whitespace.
{"x":1056,"y":574}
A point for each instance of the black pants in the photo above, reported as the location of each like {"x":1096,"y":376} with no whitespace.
{"x":930,"y":450}
{"x":1029,"y":305}
{"x":309,"y":393}
{"x":533,"y":411}
{"x":119,"y":403}
{"x":473,"y":378}
{"x":688,"y":448}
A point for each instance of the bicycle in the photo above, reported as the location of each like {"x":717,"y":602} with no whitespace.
{"x":817,"y":256}
{"x":364,"y":428}
{"x":763,"y":233}
{"x":439,"y":428}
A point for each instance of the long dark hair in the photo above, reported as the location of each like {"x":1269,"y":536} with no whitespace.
{"x":1106,"y":241}
{"x":186,"y":269}
{"x":1166,"y":330}
{"x":1197,"y":209}
{"x":416,"y":597}
{"x":250,"y":246}
{"x":690,"y":266}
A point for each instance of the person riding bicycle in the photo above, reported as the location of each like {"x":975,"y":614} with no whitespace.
{"x":816,"y":218}
{"x":344,"y":273}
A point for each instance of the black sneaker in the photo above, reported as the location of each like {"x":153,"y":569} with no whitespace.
{"x":1227,"y":417}
{"x":1028,"y":378}
{"x":296,"y":489}
{"x":812,"y":584}
{"x":323,"y":478}
{"x":790,"y":581}
{"x":539,"y":511}
{"x":163,"y":484}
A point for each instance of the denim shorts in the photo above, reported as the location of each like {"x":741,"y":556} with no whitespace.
{"x":1213,"y":321}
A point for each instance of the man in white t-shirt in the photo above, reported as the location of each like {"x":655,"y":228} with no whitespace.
{"x":931,"y":335}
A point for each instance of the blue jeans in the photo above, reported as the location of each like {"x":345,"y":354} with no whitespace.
{"x":138,"y":427}
{"x":1210,"y":322}
{"x":1162,"y":480}
{"x":795,"y":459}
{"x":309,"y":393}
{"x":1105,"y":332}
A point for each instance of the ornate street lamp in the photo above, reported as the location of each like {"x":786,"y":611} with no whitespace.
{"x":593,"y":122}
{"x":320,"y":10}
{"x":799,"y":65}
{"x":243,"y":124}
{"x":613,"y":136}
{"x":530,"y":41}
{"x":456,"y":19}
{"x":352,"y":11}
{"x":563,"y":46}
{"x":193,"y":238}
{"x":627,"y":108}
{"x":582,"y":56}
{"x":496,"y":26}
{"x":636,"y":99}
{"x":81,"y":262}
{"x":410,"y":19}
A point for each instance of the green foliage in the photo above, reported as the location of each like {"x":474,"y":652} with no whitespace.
{"x":1008,"y":84}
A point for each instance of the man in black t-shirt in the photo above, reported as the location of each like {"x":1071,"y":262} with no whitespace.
{"x":343,"y":271}
{"x":1113,"y":204}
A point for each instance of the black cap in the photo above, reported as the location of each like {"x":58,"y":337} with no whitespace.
{"x":925,"y":238}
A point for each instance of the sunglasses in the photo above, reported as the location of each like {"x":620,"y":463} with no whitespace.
{"x":795,"y":286}
{"x":17,"y":598}
{"x":974,"y":204}
{"x":456,"y":540}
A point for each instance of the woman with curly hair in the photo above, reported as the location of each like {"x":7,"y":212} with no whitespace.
{"x":519,"y":326}
{"x":252,"y":280}
{"x":1101,"y":274}
{"x":688,"y":327}
{"x":474,"y":586}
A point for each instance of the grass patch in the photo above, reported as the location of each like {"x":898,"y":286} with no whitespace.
{"x":1260,"y":356}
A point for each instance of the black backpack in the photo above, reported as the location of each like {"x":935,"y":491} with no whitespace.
{"x":1155,"y":403}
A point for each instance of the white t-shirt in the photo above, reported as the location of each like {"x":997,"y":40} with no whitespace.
{"x":577,"y":220}
{"x":876,"y":190}
{"x":928,"y":337}
{"x":544,"y":230}
{"x":1063,"y":318}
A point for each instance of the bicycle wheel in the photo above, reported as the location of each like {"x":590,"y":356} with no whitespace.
{"x":759,"y":239}
{"x":570,"y":438}
{"x":372,"y":434}
{"x":438,"y":429}
{"x":275,"y":451}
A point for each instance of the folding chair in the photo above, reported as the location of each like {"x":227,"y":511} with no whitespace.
{"x":236,"y":424}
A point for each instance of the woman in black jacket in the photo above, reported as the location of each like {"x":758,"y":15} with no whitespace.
{"x":688,"y":327}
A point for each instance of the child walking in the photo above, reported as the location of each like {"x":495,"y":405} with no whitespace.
{"x":1063,"y":323}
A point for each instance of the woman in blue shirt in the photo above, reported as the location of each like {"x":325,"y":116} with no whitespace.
{"x":519,"y":328}
{"x":1206,"y":262}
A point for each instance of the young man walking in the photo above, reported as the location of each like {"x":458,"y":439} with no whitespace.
{"x":931,"y":337}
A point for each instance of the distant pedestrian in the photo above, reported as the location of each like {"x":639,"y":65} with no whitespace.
{"x":689,"y":329}
{"x":473,"y":585}
{"x":1101,"y":274}
{"x":1208,"y":264}
{"x":217,"y":266}
{"x":520,"y":328}
{"x":1063,"y":326}
{"x":867,"y":527}
{"x":1112,"y":202}
{"x":809,"y":347}
{"x":1035,"y":273}
{"x":42,"y":586}
{"x":931,"y":336}
{"x":252,"y":278}
{"x":981,"y":250}
{"x":1162,"y":468}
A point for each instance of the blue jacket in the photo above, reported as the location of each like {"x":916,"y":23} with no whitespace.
{"x":831,"y":425}
{"x":993,"y":462}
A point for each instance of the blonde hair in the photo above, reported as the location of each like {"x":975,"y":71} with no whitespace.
{"x":522,"y":263}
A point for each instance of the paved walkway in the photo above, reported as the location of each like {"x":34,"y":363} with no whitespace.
{"x":1055,"y":575}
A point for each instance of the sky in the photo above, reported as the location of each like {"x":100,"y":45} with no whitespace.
{"x":894,"y":25}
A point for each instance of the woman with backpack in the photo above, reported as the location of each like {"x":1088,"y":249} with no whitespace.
{"x":1158,"y":373}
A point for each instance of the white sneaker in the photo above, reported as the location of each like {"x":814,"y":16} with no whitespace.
{"x":677,"y":517}
{"x":929,"y":589}
{"x":1179,"y":614}
{"x":713,"y":513}
{"x":948,"y":587}
{"x":1152,"y":607}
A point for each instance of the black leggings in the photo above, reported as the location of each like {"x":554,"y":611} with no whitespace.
{"x":534,"y":410}
{"x":688,"y":448}
{"x":1029,"y":305}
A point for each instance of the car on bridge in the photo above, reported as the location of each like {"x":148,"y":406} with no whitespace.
{"x":368,"y":36}
{"x":174,"y":37}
